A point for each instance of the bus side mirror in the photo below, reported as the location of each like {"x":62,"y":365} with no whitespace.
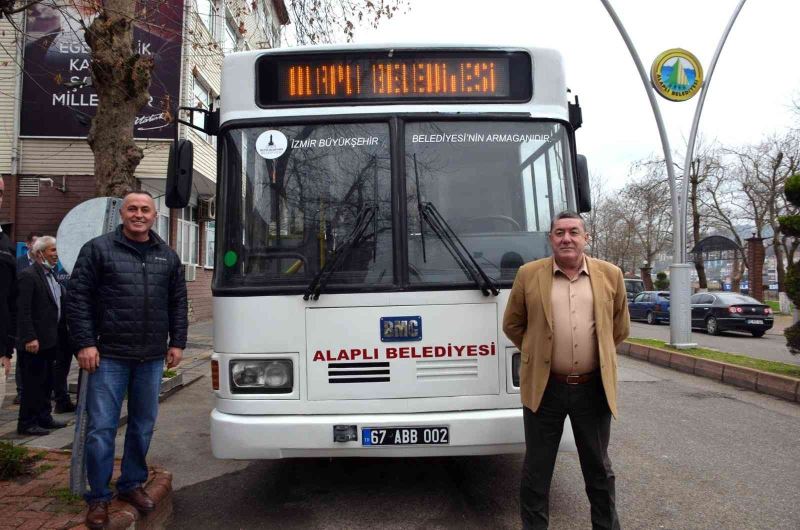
{"x":179,"y":174}
{"x":584,"y":191}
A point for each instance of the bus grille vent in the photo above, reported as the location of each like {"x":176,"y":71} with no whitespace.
{"x":358,"y":373}
{"x":447,"y":370}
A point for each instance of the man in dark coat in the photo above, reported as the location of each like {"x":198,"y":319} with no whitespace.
{"x":8,"y":280}
{"x":23,"y":262}
{"x":40,"y":331}
{"x":127,"y":313}
{"x":27,"y":259}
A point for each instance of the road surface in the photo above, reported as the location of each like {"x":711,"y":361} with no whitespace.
{"x":688,"y":452}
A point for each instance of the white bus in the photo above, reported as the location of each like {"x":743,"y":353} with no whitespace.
{"x":373,"y":207}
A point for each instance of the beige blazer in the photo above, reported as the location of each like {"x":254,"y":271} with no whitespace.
{"x":528,"y":322}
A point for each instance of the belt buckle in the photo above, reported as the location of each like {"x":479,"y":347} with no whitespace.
{"x":573,"y":379}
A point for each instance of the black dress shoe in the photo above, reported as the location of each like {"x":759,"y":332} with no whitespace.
{"x":66,"y":406}
{"x":33,"y":430}
{"x":53,"y":424}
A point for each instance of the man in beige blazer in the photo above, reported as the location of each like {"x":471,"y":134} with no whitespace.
{"x":566,"y":314}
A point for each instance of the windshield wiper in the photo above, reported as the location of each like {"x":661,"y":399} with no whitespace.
{"x":458,"y":250}
{"x":362,"y":221}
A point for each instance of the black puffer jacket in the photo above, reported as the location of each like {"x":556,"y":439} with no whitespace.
{"x":126,"y":304}
{"x":8,"y":296}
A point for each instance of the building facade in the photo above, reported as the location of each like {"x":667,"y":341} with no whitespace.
{"x":44,"y":96}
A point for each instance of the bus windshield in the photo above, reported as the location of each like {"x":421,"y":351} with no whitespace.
{"x":295,"y":195}
{"x":496,"y":184}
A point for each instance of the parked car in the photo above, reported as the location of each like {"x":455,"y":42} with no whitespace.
{"x":652,"y":306}
{"x":716,"y":312}
{"x":633,"y":286}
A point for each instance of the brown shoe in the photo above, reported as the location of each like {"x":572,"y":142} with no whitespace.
{"x":138,"y":499}
{"x":97,"y":516}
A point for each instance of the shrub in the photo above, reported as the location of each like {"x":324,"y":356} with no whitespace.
{"x":16,"y":460}
{"x":790,"y":226}
{"x":662,"y":282}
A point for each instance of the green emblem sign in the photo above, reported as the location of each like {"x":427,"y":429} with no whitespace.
{"x":676,"y":75}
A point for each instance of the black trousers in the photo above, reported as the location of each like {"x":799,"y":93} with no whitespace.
{"x":37,"y":381}
{"x":590,"y":416}
{"x":61,"y":365}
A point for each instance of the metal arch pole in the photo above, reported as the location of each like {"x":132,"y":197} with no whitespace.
{"x":679,"y":311}
{"x":662,"y":132}
{"x":695,"y":125}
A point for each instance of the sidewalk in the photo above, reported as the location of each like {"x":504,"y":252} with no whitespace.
{"x":198,"y":350}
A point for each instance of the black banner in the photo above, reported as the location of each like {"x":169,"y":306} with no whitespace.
{"x":56,"y":100}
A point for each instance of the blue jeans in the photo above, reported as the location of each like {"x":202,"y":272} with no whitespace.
{"x":106,"y":390}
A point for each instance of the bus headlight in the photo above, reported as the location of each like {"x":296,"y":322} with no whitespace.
{"x":273,"y":376}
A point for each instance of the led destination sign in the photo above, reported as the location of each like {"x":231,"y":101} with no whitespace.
{"x":365,"y":77}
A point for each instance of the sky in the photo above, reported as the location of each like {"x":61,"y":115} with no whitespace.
{"x":749,"y":96}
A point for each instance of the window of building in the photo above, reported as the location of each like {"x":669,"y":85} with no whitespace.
{"x":161,"y":226}
{"x":187,"y":242}
{"x":210,"y":238}
{"x":230,"y":37}
{"x":201,"y":99}
{"x":207,"y":11}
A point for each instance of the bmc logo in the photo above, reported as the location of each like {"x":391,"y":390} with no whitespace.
{"x":399,"y":329}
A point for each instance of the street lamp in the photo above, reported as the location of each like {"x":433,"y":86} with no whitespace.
{"x":680,"y":284}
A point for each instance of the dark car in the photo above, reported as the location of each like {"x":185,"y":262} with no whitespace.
{"x":716,"y":312}
{"x":652,"y":306}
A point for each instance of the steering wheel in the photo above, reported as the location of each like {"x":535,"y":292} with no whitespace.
{"x":510,"y":220}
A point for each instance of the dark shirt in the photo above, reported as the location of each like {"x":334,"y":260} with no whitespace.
{"x":141,"y":246}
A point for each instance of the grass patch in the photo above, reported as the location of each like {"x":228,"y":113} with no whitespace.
{"x":65,"y":496}
{"x":776,"y":307}
{"x":16,"y":460}
{"x":66,"y":501}
{"x":169,"y":374}
{"x":44,"y":467}
{"x":730,"y":358}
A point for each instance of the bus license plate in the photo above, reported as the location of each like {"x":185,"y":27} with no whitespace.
{"x":757,"y":322}
{"x":405,"y":436}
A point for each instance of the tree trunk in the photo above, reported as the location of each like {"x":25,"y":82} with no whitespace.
{"x":122,"y":81}
{"x":778,"y":249}
{"x":698,"y":261}
{"x":736,"y":274}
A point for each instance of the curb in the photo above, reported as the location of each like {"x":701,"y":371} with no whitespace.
{"x":122,"y":516}
{"x":780,"y":386}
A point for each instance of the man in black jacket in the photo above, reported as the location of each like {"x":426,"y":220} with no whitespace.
{"x":40,"y":332}
{"x":8,"y":281}
{"x":126,"y":311}
{"x":28,"y":259}
{"x":23,"y":262}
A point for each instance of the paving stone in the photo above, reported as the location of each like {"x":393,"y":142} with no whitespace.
{"x":39,"y":504}
{"x":30,"y":525}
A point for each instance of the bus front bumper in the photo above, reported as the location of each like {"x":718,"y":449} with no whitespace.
{"x":474,"y":432}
